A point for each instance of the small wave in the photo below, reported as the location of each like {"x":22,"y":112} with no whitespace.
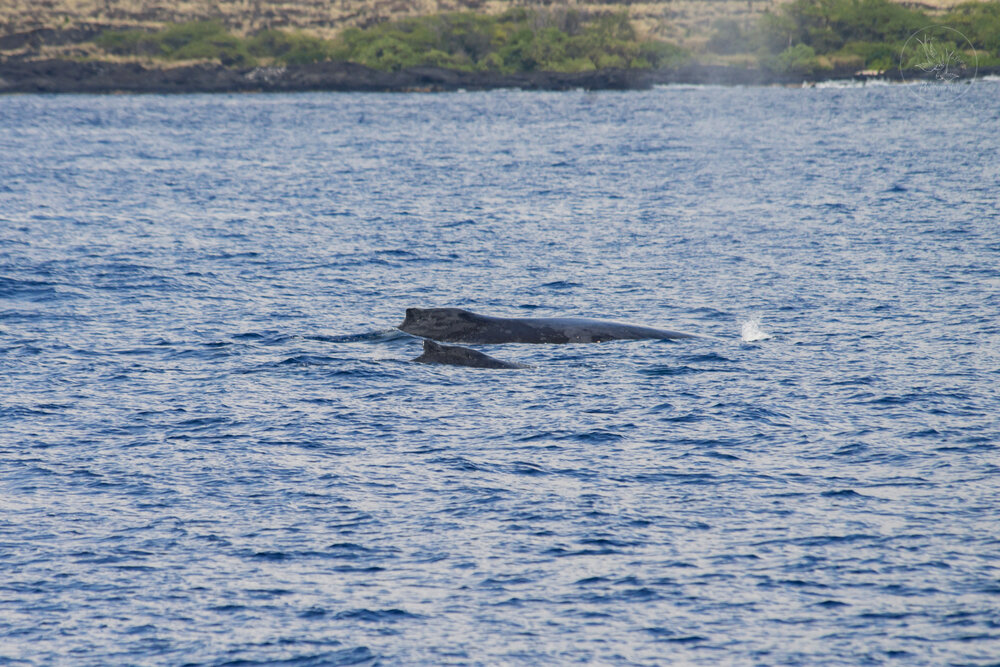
{"x":354,"y":551}
{"x":844,"y":493}
{"x":596,"y":436}
{"x":523,"y":468}
{"x":562,"y":552}
{"x":190,"y":353}
{"x":711,"y":356}
{"x":34,"y":290}
{"x":850,"y":450}
{"x":307,"y":360}
{"x":202,"y":422}
{"x":458,"y":463}
{"x":751,"y":332}
{"x":689,"y":417}
{"x":687,"y":639}
{"x":709,"y":313}
{"x":250,"y":335}
{"x":233,"y":255}
{"x":338,"y":658}
{"x":376,"y":615}
{"x":381,"y":336}
{"x":671,"y":370}
{"x":21,"y":411}
{"x":831,"y":604}
{"x":396,"y":252}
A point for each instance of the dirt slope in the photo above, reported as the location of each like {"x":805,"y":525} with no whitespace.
{"x":682,"y":21}
{"x":56,"y":28}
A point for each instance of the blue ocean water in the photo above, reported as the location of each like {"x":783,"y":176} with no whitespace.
{"x":215,"y":450}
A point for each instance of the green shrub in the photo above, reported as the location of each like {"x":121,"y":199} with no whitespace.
{"x":797,"y":59}
{"x":874,"y":55}
{"x":979,"y":22}
{"x":663,"y":54}
{"x":491,"y":62}
{"x":520,"y":40}
{"x":131,"y":42}
{"x":827,"y":25}
{"x":987,"y":60}
{"x":845,"y":60}
{"x":293,"y":48}
{"x":728,"y":38}
{"x":939,"y":53}
{"x":177,"y":37}
{"x":875,"y":31}
{"x":198,"y":40}
{"x":230,"y":50}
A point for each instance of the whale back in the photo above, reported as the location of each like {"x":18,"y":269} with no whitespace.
{"x":439,"y":323}
{"x":455,"y":325}
{"x":455,"y":355}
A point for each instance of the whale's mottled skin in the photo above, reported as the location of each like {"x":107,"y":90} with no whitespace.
{"x":455,"y":325}
{"x":456,"y":355}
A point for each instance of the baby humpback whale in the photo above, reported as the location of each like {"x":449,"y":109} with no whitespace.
{"x":455,"y":355}
{"x":455,"y":325}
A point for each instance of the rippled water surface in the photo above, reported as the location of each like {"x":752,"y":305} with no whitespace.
{"x":214,"y":448}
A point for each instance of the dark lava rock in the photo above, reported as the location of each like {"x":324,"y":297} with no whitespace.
{"x":65,"y":76}
{"x":35,"y":39}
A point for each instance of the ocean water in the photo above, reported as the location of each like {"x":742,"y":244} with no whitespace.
{"x":215,"y":450}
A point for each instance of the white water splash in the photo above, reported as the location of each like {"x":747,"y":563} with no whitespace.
{"x":751,"y":331}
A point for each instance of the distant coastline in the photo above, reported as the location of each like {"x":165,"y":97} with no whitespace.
{"x":96,"y":77}
{"x":530,"y":48}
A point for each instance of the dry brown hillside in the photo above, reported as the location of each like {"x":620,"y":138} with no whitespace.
{"x":686,"y":22}
{"x":683,"y":21}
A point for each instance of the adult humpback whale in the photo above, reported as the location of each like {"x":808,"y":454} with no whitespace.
{"x":455,"y":325}
{"x":456,"y":355}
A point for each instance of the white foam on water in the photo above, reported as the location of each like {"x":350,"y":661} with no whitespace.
{"x":751,"y":331}
{"x":839,"y":83}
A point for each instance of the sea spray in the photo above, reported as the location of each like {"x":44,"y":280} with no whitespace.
{"x":751,"y":332}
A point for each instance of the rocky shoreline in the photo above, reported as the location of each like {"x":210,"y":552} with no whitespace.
{"x":96,"y":77}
